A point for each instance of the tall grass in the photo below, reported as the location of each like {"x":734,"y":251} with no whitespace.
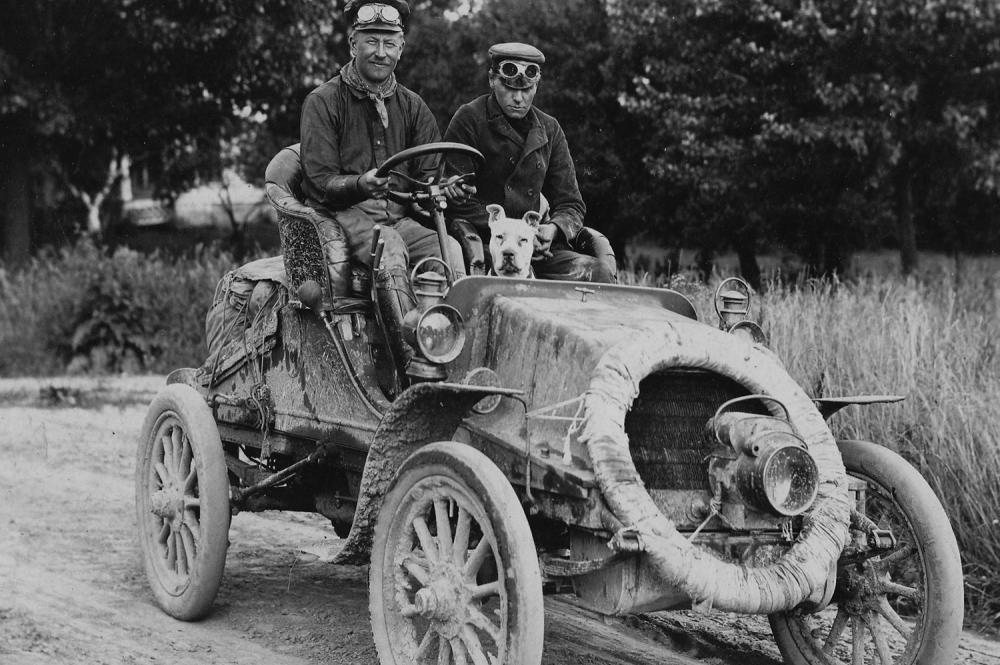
{"x":935,"y":342}
{"x":83,"y":309}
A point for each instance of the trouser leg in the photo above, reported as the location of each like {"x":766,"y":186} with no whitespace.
{"x":336,"y":254}
{"x":569,"y":265}
{"x":472,"y":246}
{"x":422,"y":243}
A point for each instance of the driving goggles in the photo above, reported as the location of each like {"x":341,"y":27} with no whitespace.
{"x":377,"y":13}
{"x":511,"y":69}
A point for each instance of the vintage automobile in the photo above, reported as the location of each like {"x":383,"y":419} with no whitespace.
{"x":550,"y":436}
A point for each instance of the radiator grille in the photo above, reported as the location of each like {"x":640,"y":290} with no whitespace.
{"x":666,"y":425}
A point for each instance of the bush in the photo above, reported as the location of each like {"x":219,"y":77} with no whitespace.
{"x":82,"y":309}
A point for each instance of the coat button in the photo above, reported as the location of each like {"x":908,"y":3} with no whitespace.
{"x":531,"y":192}
{"x":538,"y":165}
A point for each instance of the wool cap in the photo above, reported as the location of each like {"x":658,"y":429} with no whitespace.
{"x":515,"y":51}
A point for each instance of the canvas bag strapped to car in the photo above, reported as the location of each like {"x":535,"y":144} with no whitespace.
{"x":242,"y":322}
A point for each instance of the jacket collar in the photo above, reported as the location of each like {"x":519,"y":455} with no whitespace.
{"x":497,"y":121}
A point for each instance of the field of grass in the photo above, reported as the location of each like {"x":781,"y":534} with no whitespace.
{"x":932,"y":338}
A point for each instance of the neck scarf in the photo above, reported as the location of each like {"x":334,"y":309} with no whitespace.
{"x":377,"y":94}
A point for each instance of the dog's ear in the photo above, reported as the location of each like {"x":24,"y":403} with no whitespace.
{"x":495,"y":212}
{"x":532,"y":218}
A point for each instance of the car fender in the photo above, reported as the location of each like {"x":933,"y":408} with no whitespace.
{"x":422,"y":414}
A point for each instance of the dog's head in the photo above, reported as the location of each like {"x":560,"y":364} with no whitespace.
{"x":512,"y":241}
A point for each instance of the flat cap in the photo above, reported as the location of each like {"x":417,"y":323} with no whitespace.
{"x":515,"y":51}
{"x":378,"y":18}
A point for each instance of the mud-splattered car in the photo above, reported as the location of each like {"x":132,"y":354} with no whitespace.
{"x":555,"y":436}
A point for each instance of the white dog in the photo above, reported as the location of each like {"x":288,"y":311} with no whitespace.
{"x":512,"y":242}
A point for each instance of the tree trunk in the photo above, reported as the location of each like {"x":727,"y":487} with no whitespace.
{"x":15,"y":190}
{"x":904,"y":221}
{"x":749,"y":268}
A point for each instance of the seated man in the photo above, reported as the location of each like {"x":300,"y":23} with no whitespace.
{"x":527,"y":157}
{"x":350,"y":125}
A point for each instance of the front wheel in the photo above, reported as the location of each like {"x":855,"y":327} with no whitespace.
{"x":182,"y":502}
{"x":454,"y":576}
{"x":900,"y":607}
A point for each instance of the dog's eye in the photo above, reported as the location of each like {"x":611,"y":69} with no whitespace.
{"x":498,"y":236}
{"x":522,"y":241}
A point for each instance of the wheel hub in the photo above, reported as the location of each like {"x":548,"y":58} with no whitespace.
{"x":859,"y":586}
{"x":168,"y":503}
{"x":444,"y":601}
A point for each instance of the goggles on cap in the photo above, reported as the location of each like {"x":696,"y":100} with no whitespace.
{"x":511,"y":69}
{"x":378,"y":13}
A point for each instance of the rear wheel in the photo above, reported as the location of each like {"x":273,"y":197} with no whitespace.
{"x":182,"y":502}
{"x":902,"y":607}
{"x":454,"y":575}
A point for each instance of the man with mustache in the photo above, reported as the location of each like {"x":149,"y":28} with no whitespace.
{"x":527,"y":162}
{"x":349,"y":126}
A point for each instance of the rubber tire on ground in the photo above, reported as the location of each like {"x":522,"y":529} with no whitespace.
{"x":179,"y":413}
{"x":937,"y":639}
{"x":454,"y":472}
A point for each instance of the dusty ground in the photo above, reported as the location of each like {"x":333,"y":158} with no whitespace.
{"x":72,"y":590}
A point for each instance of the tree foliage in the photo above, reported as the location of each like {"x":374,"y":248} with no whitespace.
{"x":821,"y":126}
{"x":813,"y":122}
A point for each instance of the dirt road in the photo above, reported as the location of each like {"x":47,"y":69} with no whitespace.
{"x":72,"y":589}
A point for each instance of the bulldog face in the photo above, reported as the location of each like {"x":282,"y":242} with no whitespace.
{"x":512,"y":241}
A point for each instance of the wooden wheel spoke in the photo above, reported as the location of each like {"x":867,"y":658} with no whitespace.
{"x":187,"y":455}
{"x":901,"y":590}
{"x":191,"y":481}
{"x":193,"y":529}
{"x":458,"y":651}
{"x":161,"y":538}
{"x":443,"y":527}
{"x":167,"y":444}
{"x":162,"y":474}
{"x":857,"y":641}
{"x":481,"y":591}
{"x":476,"y":559}
{"x":836,"y":630}
{"x":423,"y":650}
{"x":897,"y":555}
{"x":177,"y":446}
{"x":483,"y":623}
{"x":192,"y":502}
{"x":426,"y":539}
{"x":190,"y":546}
{"x":473,"y":646}
{"x":184,"y":558}
{"x":415,"y":567}
{"x":172,"y":550}
{"x":881,"y":643}
{"x":460,"y":548}
{"x":890,"y":615}
{"x":444,"y":652}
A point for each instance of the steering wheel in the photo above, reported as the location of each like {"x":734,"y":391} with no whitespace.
{"x":431,"y":189}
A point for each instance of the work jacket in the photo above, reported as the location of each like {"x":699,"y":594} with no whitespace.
{"x":343,"y":137}
{"x":518,"y":170}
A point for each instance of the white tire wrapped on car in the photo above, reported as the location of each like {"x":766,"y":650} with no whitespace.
{"x":805,"y":567}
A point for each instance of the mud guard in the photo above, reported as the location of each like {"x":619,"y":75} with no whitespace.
{"x":830,"y":405}
{"x":422,"y":414}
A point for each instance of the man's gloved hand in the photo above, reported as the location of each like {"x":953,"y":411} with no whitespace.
{"x":457,"y":191}
{"x":373,"y":186}
{"x":543,"y":241}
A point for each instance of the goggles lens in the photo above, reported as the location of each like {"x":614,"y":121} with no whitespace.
{"x":372,"y":13}
{"x":510,"y":69}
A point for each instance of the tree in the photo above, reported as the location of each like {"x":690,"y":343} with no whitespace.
{"x":805,"y":122}
{"x":155,"y":80}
